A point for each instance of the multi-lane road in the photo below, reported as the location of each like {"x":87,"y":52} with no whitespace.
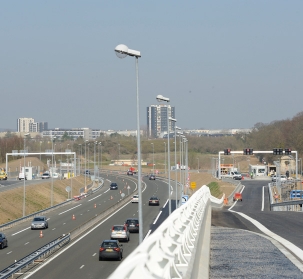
{"x":80,"y":258}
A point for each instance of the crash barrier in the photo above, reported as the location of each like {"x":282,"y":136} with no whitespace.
{"x":179,"y":248}
{"x":35,"y":257}
{"x":293,"y":200}
{"x":30,"y":216}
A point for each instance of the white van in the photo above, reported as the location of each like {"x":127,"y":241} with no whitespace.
{"x":21,"y":176}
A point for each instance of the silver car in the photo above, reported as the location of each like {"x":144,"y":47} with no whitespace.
{"x":39,"y":222}
{"x":120,"y":232}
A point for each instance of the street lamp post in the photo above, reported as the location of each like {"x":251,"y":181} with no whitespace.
{"x":160,"y":98}
{"x":122,"y":51}
{"x":101,"y":155}
{"x":95,"y":158}
{"x":153,"y":158}
{"x":176,"y":178}
{"x":165,"y":158}
{"x":119,"y":155}
{"x":198,"y":164}
{"x":85,"y":187}
{"x":25,"y":136}
{"x":52,"y":190}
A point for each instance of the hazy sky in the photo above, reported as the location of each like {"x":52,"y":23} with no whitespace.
{"x":223,"y":64}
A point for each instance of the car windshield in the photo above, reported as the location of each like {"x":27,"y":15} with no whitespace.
{"x":153,"y":198}
{"x":38,"y":219}
{"x":118,"y":228}
{"x":135,"y":197}
{"x":132,"y":222}
{"x":109,"y":245}
{"x":114,"y":184}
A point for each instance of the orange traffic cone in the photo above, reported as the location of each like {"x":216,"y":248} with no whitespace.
{"x":74,"y":218}
{"x":41,"y":234}
{"x":111,"y":197}
{"x":120,"y":192}
{"x":95,"y":206}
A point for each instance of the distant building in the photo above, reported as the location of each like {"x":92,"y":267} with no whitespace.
{"x":23,"y":124}
{"x":157,"y":120}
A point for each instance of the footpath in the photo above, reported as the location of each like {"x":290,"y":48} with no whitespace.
{"x":238,"y":253}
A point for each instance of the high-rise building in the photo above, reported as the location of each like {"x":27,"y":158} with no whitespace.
{"x":157,"y":120}
{"x":23,"y":124}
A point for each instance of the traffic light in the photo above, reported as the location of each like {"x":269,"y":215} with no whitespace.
{"x":287,"y":151}
{"x":278,"y":151}
{"x":227,"y":151}
{"x":248,"y":151}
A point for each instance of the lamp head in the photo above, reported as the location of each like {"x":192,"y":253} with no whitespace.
{"x":172,"y":119}
{"x":122,"y":51}
{"x":161,"y":98}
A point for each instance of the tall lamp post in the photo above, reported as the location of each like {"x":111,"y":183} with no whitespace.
{"x":52,"y":190}
{"x":101,"y":155}
{"x":119,"y":155}
{"x":122,"y":51}
{"x":165,"y":158}
{"x":160,"y":98}
{"x":198,"y":164}
{"x":95,"y":158}
{"x":153,"y":158}
{"x":25,"y":136}
{"x":85,"y":187}
{"x":176,"y":178}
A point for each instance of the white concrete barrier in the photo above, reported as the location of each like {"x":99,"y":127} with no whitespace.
{"x":179,"y":248}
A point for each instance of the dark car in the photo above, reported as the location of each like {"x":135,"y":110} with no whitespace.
{"x":154,"y":201}
{"x":3,"y":240}
{"x":132,"y":224}
{"x":110,"y":249}
{"x":130,"y":173}
{"x":113,"y":186}
{"x":152,"y":177}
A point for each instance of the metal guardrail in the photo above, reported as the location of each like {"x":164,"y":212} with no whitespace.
{"x":35,"y":256}
{"x":179,"y":248}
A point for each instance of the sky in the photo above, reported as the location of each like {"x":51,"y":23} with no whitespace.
{"x":223,"y":64}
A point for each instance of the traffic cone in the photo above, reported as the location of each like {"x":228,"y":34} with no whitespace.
{"x":120,"y":192}
{"x":95,"y":206}
{"x":74,"y":218}
{"x":111,"y":197}
{"x":41,"y":234}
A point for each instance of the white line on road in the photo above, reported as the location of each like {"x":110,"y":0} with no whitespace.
{"x":157,"y":218}
{"x":81,"y":266}
{"x":94,"y":254}
{"x":70,"y":209}
{"x":21,"y":231}
{"x":262,"y":209}
{"x":26,"y":243}
{"x":147,"y":234}
{"x":53,"y":229}
{"x":165,"y":204}
{"x":9,"y":252}
{"x":95,"y":197}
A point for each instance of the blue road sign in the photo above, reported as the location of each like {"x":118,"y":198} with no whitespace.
{"x":184,"y":199}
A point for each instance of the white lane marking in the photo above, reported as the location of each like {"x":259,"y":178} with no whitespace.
{"x":64,"y":223}
{"x":147,"y":234}
{"x":94,"y":254}
{"x":165,"y":204}
{"x":157,"y":218}
{"x":106,"y":190}
{"x":70,"y":209}
{"x":76,"y":241}
{"x":262,"y":208}
{"x":26,"y":243}
{"x":21,"y":231}
{"x":9,"y":252}
{"x":293,"y":248}
{"x":53,"y":229}
{"x":81,"y":266}
{"x":94,"y":198}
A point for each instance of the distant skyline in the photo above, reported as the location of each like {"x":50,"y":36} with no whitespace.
{"x":223,"y":64}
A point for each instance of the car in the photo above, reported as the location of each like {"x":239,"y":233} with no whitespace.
{"x":45,"y":175}
{"x":135,"y":199}
{"x":282,"y":178}
{"x":110,"y":249}
{"x":120,"y":232}
{"x":113,"y":186}
{"x":154,"y":201}
{"x":39,"y":222}
{"x":3,"y":240}
{"x":132,"y":224}
{"x":21,"y":176}
{"x":152,"y":177}
{"x":130,"y":173}
{"x":237,"y":197}
{"x":87,"y":172}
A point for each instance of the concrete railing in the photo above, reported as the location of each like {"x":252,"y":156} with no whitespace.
{"x":179,"y":248}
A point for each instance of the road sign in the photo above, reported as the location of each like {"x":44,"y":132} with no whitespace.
{"x":296,"y":194}
{"x":184,"y":199}
{"x":193,"y":185}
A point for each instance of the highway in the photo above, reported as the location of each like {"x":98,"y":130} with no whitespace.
{"x":285,"y":224}
{"x":23,"y":241}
